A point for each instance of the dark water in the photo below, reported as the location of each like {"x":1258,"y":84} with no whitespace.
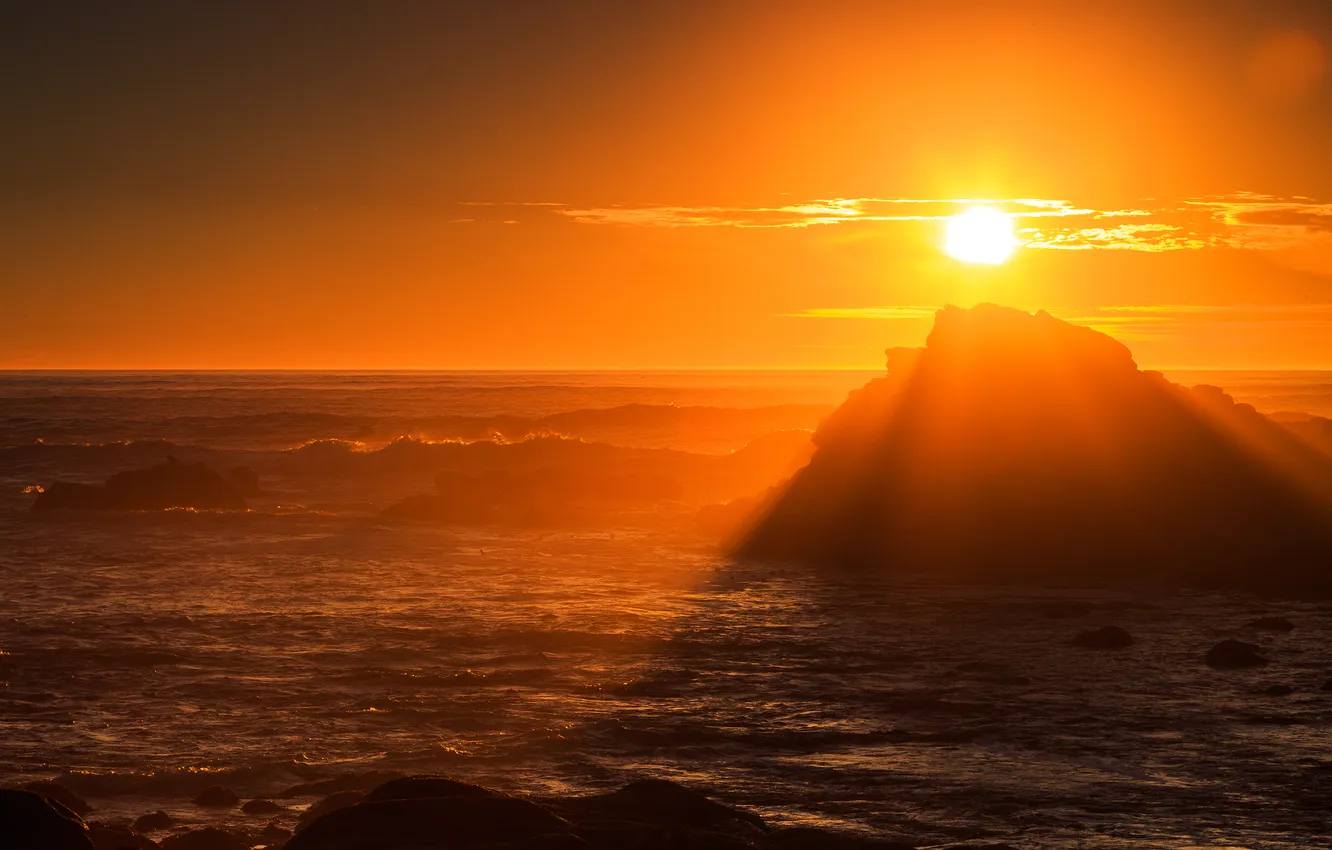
{"x":148,"y":655}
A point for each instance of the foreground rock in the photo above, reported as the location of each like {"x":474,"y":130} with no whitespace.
{"x":32,"y":822}
{"x":155,"y":822}
{"x":169,"y":485}
{"x":1018,"y":447}
{"x":55,"y":791}
{"x":208,"y":838}
{"x":218,"y":797}
{"x":417,"y":813}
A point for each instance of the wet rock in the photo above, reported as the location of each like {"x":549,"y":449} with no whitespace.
{"x":155,"y":822}
{"x":55,"y":791}
{"x":208,"y":838}
{"x":275,"y":833}
{"x":658,"y":812}
{"x":416,"y":787}
{"x":33,"y":822}
{"x":170,"y":485}
{"x":216,"y":796}
{"x":457,"y":821}
{"x":263,"y":807}
{"x":1106,"y":637}
{"x":1327,"y":686}
{"x":346,"y":782}
{"x":331,"y":803}
{"x":1271,"y":624}
{"x":107,"y":837}
{"x":1233,"y":654}
{"x":1278,"y":690}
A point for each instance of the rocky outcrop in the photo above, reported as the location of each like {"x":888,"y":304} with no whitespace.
{"x":1017,"y":447}
{"x":433,"y":812}
{"x":169,"y":485}
{"x":33,"y":822}
{"x":217,"y":797}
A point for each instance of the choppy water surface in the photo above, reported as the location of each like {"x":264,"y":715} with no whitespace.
{"x":148,"y":655}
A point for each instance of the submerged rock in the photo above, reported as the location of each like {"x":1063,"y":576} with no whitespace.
{"x":1018,"y":447}
{"x":263,"y":807}
{"x":1106,"y":637}
{"x":1235,"y":654}
{"x":155,"y":822}
{"x":217,"y":796}
{"x":33,"y":822}
{"x":1278,"y":690}
{"x":169,"y":485}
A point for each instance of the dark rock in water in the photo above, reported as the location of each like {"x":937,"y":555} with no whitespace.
{"x":414,"y":787}
{"x":1278,"y":690}
{"x":1106,"y":637}
{"x":346,"y":782}
{"x":1018,"y":447}
{"x":437,"y":812}
{"x":275,"y":833}
{"x":33,"y":822}
{"x":262,"y":807}
{"x":1327,"y":686}
{"x":208,"y":838}
{"x":155,"y":822}
{"x":105,"y":837}
{"x":170,"y":485}
{"x":331,"y":803}
{"x":1234,"y":654}
{"x":1272,"y":624}
{"x":421,"y":822}
{"x":216,"y":796}
{"x":52,"y":790}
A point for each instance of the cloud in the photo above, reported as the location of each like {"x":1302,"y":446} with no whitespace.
{"x":1140,"y":320}
{"x":1241,"y":220}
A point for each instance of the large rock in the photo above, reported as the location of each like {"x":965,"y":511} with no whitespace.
{"x":169,"y":485}
{"x":1019,"y":447}
{"x":1106,"y":637}
{"x":208,"y":838}
{"x":217,"y":797}
{"x":1233,"y":654}
{"x":53,"y":790}
{"x":33,"y":822}
{"x":111,"y":837}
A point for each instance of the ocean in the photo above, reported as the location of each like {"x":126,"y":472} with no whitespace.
{"x":146,"y":655}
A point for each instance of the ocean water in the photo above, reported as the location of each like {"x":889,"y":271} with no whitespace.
{"x":144,"y":656}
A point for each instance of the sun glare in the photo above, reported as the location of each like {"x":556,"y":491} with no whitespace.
{"x":980,"y":235}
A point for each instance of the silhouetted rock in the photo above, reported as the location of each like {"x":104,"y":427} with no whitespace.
{"x":1327,"y":686}
{"x":217,"y":796}
{"x":108,"y":837}
{"x":208,"y":838}
{"x":262,"y":807}
{"x":1235,"y":653}
{"x":1106,"y":637}
{"x":155,"y":822}
{"x":274,"y":833}
{"x":1278,"y":690}
{"x":52,"y":790}
{"x":169,"y":485}
{"x":345,"y":782}
{"x":1272,"y":624}
{"x":33,"y":822}
{"x":437,"y":812}
{"x":1018,"y":447}
{"x":331,"y":803}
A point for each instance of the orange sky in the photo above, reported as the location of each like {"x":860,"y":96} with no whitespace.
{"x":612,"y":185}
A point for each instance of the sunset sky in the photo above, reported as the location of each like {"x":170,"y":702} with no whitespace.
{"x":654,"y":184}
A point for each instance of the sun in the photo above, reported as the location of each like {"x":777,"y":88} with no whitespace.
{"x":980,"y":235}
